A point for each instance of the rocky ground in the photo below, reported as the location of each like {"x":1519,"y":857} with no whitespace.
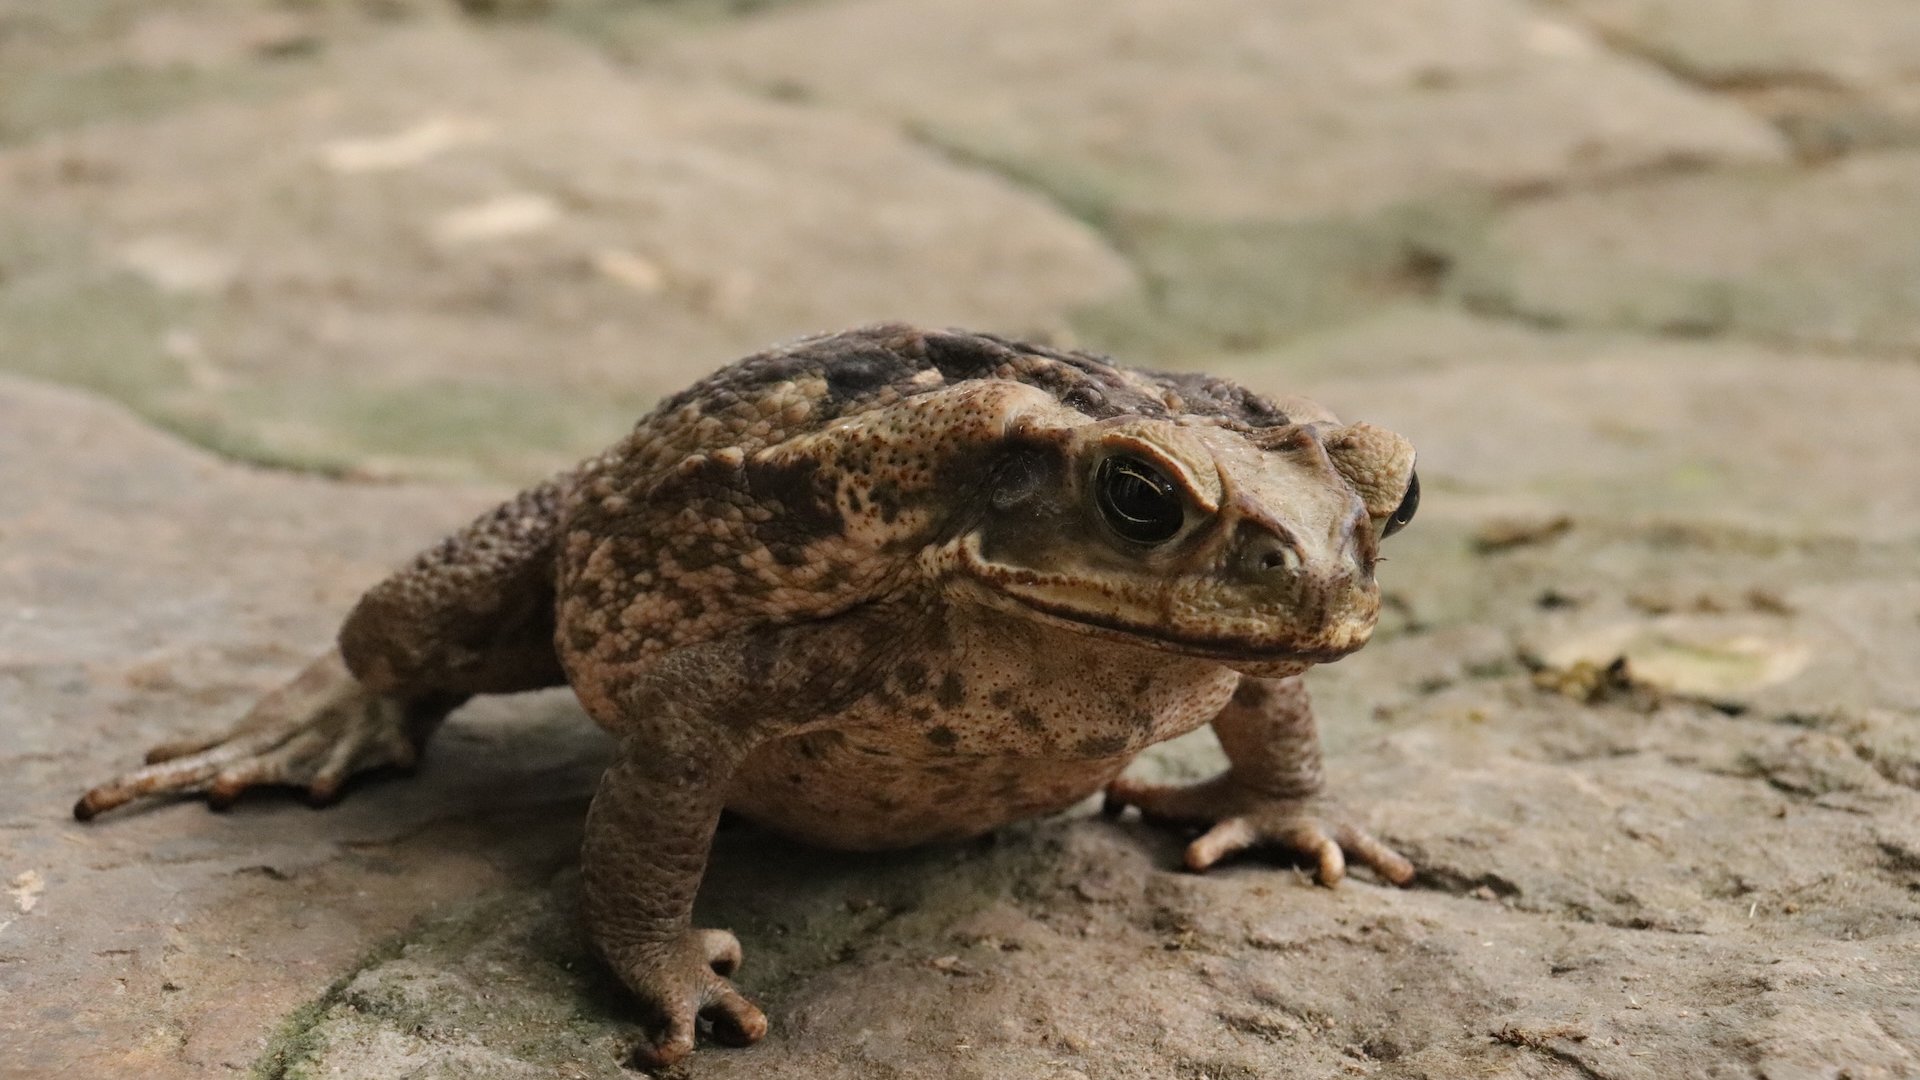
{"x":287,"y":289}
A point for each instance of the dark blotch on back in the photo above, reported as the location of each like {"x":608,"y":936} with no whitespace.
{"x":1100,"y":745}
{"x":960,"y":356}
{"x":758,"y":656}
{"x":807,"y":496}
{"x":911,"y":677}
{"x":886,"y":499}
{"x":942,"y":736}
{"x":854,"y":364}
{"x":952,"y":691}
{"x":873,"y":363}
{"x":1088,"y":400}
{"x":859,"y":373}
{"x":1210,"y":395}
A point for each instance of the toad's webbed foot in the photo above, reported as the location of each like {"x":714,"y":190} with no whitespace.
{"x":682,"y":984}
{"x":314,"y":733}
{"x":1238,"y":817}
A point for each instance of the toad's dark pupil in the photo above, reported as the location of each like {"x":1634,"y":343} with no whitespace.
{"x":1138,"y":501}
{"x":1408,"y":504}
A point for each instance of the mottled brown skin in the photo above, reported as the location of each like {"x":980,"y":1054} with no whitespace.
{"x":876,"y":589}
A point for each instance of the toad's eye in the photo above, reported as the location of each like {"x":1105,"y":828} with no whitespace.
{"x":1138,"y":500}
{"x":1403,"y":514}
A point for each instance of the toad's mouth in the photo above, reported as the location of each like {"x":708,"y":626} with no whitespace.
{"x":1228,"y":649}
{"x":1254,"y":650}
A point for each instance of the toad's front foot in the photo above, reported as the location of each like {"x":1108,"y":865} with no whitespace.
{"x":314,"y":733}
{"x":685,"y":982}
{"x":1239,"y":817}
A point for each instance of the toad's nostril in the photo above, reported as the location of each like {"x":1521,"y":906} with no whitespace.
{"x":1270,"y":554}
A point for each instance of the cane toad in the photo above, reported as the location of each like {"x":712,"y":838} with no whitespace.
{"x":875,"y":589}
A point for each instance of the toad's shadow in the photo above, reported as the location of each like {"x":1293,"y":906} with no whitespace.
{"x":509,"y":783}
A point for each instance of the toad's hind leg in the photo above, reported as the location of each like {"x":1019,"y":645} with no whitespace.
{"x":313,"y":732}
{"x":472,"y":615}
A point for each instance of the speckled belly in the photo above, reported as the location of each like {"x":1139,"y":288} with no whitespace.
{"x":1008,"y":723}
{"x":821,"y":790}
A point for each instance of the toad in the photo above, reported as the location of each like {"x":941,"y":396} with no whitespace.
{"x":874,"y":589}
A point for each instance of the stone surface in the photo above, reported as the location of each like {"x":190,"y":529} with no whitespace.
{"x":1245,"y":109}
{"x":1861,"y":43}
{"x":1835,"y":76}
{"x":1829,"y":256}
{"x":1786,"y":442}
{"x":83,"y":60}
{"x":148,"y":590}
{"x":416,"y":262}
{"x":1272,"y":168}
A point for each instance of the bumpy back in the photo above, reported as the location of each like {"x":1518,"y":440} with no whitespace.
{"x":806,"y":385}
{"x":801,"y":482}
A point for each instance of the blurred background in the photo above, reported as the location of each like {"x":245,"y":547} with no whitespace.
{"x":1640,"y":278}
{"x":475,"y":239}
